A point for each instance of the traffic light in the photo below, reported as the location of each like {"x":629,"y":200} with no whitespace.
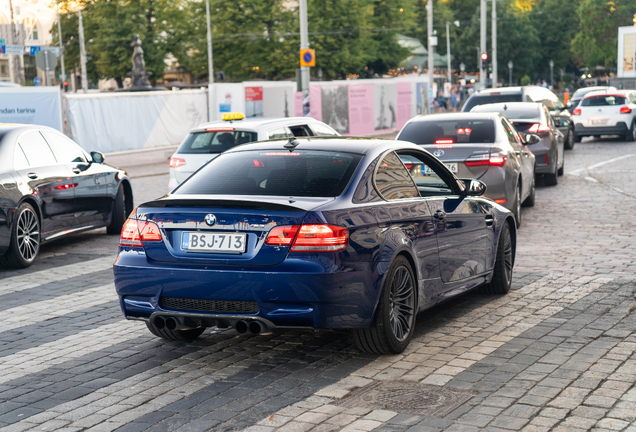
{"x":65,"y":86}
{"x":484,"y":60}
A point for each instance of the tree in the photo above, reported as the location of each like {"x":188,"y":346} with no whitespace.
{"x":596,"y":41}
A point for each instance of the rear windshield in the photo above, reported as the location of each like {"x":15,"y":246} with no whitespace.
{"x":215,"y":142}
{"x":489,"y":99}
{"x":603,"y":101}
{"x":274,"y":173}
{"x":449,"y":132}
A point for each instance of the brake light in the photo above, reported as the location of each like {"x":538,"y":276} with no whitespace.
{"x":134,"y":232}
{"x":626,"y":110}
{"x":536,"y":128}
{"x":500,"y":201}
{"x":282,"y":235}
{"x":309,"y":238}
{"x":444,"y":141}
{"x":497,"y":161}
{"x":176,"y":162}
{"x":485,"y":160}
{"x":464,"y":131}
{"x":576,"y":111}
{"x":66,"y":186}
{"x":220,"y":129}
{"x":408,"y":166}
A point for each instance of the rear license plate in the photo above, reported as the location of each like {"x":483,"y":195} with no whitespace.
{"x":598,"y":122}
{"x":429,"y":172}
{"x":213,"y":242}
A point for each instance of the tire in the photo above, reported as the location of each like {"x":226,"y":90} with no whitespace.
{"x":118,"y":214}
{"x":577,"y":138}
{"x":570,"y":139}
{"x":25,"y":239}
{"x":631,"y":135}
{"x":175,"y":335}
{"x":516,"y":209}
{"x":394,"y":322}
{"x":504,"y":263}
{"x":551,"y":179}
{"x":561,"y":170}
{"x":529,"y":201}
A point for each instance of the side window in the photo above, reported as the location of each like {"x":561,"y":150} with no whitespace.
{"x":548,"y":118}
{"x":300,"y":131}
{"x":19,"y":159}
{"x":66,"y":151}
{"x":323,"y":130}
{"x":428,"y":182}
{"x":36,"y":150}
{"x":278,"y":133}
{"x":509,"y":132}
{"x":393,"y":180}
{"x":632,"y":97}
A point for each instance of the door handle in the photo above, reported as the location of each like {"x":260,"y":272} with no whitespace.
{"x":32,"y":175}
{"x":76,"y":170}
{"x":489,"y":220}
{"x":439,"y":215}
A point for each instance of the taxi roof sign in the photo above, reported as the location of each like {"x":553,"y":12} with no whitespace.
{"x":232,"y":116}
{"x":308,"y":57}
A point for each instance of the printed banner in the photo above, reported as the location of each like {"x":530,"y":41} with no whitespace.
{"x":361,"y":109}
{"x":385,"y":105}
{"x":335,"y":107}
{"x":403,"y":103}
{"x":253,"y":101}
{"x":278,"y":101}
{"x":31,"y":105}
{"x":315,"y":102}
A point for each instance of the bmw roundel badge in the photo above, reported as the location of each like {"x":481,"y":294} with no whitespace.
{"x":210,"y":219}
{"x":438,"y":153}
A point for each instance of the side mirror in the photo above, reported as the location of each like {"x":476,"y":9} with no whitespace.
{"x":97,"y":157}
{"x":531,"y":139}
{"x":474,"y":187}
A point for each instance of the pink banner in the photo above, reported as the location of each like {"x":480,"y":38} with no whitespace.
{"x":361,"y":109}
{"x":315,"y":101}
{"x":403,"y":104}
{"x":298,"y":104}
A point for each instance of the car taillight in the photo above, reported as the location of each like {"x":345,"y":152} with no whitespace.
{"x":576,"y":111}
{"x":626,"y":110}
{"x":485,"y":160}
{"x":135,"y":232}
{"x":536,"y":128}
{"x":310,"y":238}
{"x":176,"y":162}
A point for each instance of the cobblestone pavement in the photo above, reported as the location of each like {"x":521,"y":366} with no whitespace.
{"x":557,"y":353}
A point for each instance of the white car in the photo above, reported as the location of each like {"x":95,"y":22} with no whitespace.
{"x":606,"y":112}
{"x":208,"y":140}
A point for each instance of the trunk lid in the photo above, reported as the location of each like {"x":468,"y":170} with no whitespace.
{"x":252,"y":216}
{"x":456,"y":154}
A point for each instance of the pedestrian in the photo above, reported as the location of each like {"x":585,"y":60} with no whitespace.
{"x":441,"y":101}
{"x":545,"y":84}
{"x":453,"y":101}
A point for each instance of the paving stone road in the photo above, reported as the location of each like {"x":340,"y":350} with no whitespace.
{"x":557,"y":353}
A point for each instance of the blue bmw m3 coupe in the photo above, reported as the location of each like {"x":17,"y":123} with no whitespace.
{"x":318,"y":233}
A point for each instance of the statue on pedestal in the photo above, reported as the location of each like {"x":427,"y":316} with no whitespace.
{"x":138,"y":74}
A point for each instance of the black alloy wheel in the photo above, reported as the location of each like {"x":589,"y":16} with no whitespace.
{"x":571,"y":139}
{"x":25,"y":239}
{"x":517,"y":206}
{"x":394,"y":320}
{"x":505,"y":261}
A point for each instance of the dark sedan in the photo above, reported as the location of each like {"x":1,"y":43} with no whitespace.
{"x":545,"y":141}
{"x":314,"y":234}
{"x":50,"y":187}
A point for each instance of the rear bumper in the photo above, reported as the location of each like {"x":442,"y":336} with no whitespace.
{"x":619,"y":129}
{"x":296,"y":293}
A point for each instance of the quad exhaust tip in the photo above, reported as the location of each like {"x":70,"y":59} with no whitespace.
{"x":160,"y":323}
{"x":255,"y":327}
{"x":241,"y":327}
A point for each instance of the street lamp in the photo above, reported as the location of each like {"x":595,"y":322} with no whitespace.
{"x":551,"y":73}
{"x":510,"y":73}
{"x":448,"y":50}
{"x":462,"y":67}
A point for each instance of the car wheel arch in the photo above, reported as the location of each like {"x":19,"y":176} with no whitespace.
{"x":36,"y":206}
{"x":128,"y":196}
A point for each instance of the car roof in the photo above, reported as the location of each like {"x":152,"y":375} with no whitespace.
{"x":454,"y":116}
{"x":499,"y":106}
{"x":606,"y":92}
{"x":335,"y":144}
{"x":502,"y":90}
{"x":254,"y":123}
{"x":587,"y":90}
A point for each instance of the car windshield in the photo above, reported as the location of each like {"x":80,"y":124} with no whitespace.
{"x":274,"y":173}
{"x":457,"y":131}
{"x":489,"y":99}
{"x":583,"y":91}
{"x":603,"y":101}
{"x":215,"y":141}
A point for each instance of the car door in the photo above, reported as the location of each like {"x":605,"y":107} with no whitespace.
{"x":463,"y":227}
{"x":526,"y":160}
{"x":94,"y":186}
{"x":49,"y":181}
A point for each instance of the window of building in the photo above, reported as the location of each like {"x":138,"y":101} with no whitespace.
{"x":30,"y":29}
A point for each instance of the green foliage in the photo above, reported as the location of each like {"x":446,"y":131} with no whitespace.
{"x":525,"y":80}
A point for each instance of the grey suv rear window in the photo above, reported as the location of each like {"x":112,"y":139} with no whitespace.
{"x":274,"y":173}
{"x":449,"y":132}
{"x":603,"y":101}
{"x":489,"y":99}
{"x":215,"y":141}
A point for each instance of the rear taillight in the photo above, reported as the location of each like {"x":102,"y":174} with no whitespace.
{"x":309,"y":238}
{"x":537,"y":128}
{"x":177,"y":162}
{"x":135,"y":232}
{"x":485,"y":160}
{"x":626,"y":110}
{"x":576,"y":111}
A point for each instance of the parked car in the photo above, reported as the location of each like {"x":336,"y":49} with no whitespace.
{"x":578,"y":95}
{"x":313,"y":234}
{"x":480,"y":146}
{"x":607,"y":113}
{"x":51,"y":187}
{"x":208,"y":140}
{"x":560,"y":115}
{"x":545,"y":140}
